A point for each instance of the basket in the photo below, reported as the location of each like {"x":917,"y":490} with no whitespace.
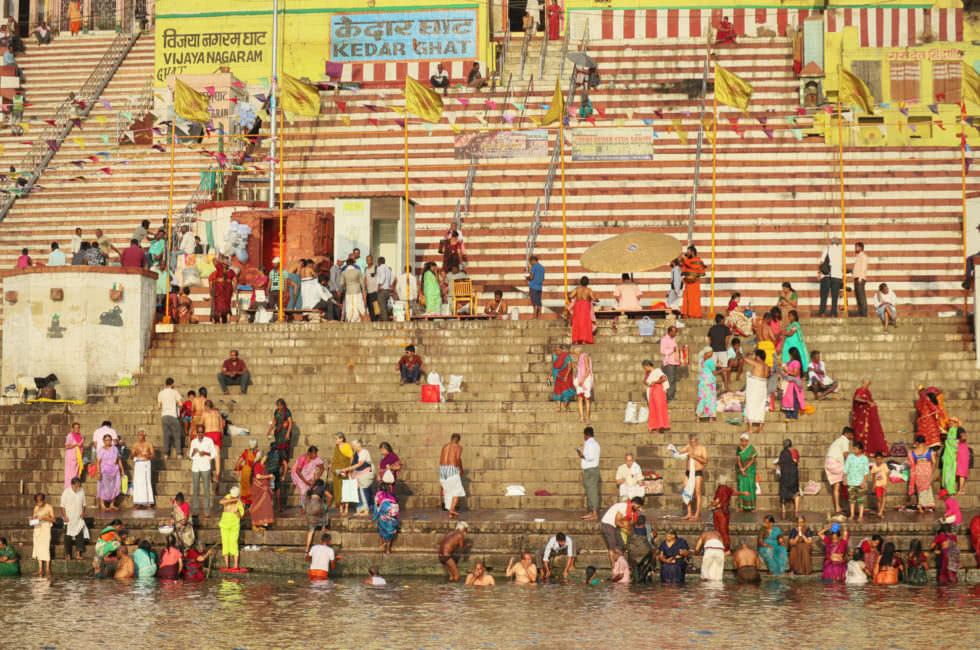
{"x":653,"y":486}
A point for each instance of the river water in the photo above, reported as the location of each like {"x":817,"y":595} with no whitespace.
{"x":264,"y":612}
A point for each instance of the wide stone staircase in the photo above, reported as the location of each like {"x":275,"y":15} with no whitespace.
{"x":342,"y":378}
{"x":774,"y":183}
{"x":93,"y":181}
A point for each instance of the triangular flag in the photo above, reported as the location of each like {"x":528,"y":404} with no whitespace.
{"x":25,"y":126}
{"x":77,"y":122}
{"x":884,"y":105}
{"x":422,"y":102}
{"x":600,"y":111}
{"x":373,"y":120}
{"x":968,"y":161}
{"x":492,"y":105}
{"x":108,"y":104}
{"x":106,"y":170}
{"x":298,"y":96}
{"x":237,"y":84}
{"x":731,"y":89}
{"x":265,"y":82}
{"x":101,"y":119}
{"x":681,"y":133}
{"x":768,"y":132}
{"x":828,"y":109}
{"x":740,"y":132}
{"x":648,"y":122}
{"x":346,"y":119}
{"x":508,"y":118}
{"x":80,"y":142}
{"x":798,"y":134}
{"x":400,"y":123}
{"x":519,"y":107}
{"x":51,"y":122}
{"x":456,"y":128}
{"x":591,"y":120}
{"x":53,"y":145}
{"x":934,"y":108}
{"x":733,"y":120}
{"x":939,"y":123}
{"x":190,"y":104}
{"x":709,"y":129}
{"x":904,"y":111}
{"x":341,"y":105}
{"x":629,"y":113}
{"x":790,"y":119}
{"x":800,"y":110}
{"x":463,"y":101}
{"x":884,"y":130}
{"x":209,"y":90}
{"x":398,"y":109}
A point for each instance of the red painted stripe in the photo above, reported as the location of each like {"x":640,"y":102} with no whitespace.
{"x":804,"y":14}
{"x":695,"y":22}
{"x":943,"y":30}
{"x":880,"y":20}
{"x":896,"y":19}
{"x":356,"y":71}
{"x":379,"y":72}
{"x":673,"y":23}
{"x":782,"y":21}
{"x":651,"y":23}
{"x":863,"y":20}
{"x":959,"y":25}
{"x":607,"y":23}
{"x":716,"y":16}
{"x":848,"y":17}
{"x":629,"y":24}
{"x":424,"y":71}
{"x":401,"y":71}
{"x":911,"y":13}
{"x":739,"y":19}
{"x":832,"y":21}
{"x":760,"y":16}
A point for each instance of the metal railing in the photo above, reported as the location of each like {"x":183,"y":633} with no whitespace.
{"x":75,"y":106}
{"x":467,"y":195}
{"x":527,"y":93}
{"x":532,"y":233}
{"x":503,"y":52}
{"x":503,"y":104}
{"x":584,"y":49}
{"x":544,"y":54}
{"x":564,"y":50}
{"x":526,"y":42}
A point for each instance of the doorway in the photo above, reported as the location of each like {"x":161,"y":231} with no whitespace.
{"x":516,"y":10}
{"x":384,"y":239}
{"x":23,"y":17}
{"x":270,"y":241}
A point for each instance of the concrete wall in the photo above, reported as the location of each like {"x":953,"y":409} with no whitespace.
{"x":82,"y":338}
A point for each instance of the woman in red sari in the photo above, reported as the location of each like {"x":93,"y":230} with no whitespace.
{"x":581,"y":298}
{"x":562,"y":377}
{"x":931,"y":415}
{"x":261,"y":512}
{"x":554,"y":21}
{"x":865,"y":421}
{"x":222,"y":286}
{"x":693,"y":269}
{"x":656,"y":382}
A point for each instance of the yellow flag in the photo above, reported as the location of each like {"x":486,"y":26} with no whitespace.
{"x":854,"y":92}
{"x":731,"y":89}
{"x":100,"y":119}
{"x":456,"y":128}
{"x":709,"y":128}
{"x":681,"y":133}
{"x":557,"y":109}
{"x":80,"y":142}
{"x":971,"y":84}
{"x":190,"y":104}
{"x":422,"y":102}
{"x":298,"y":97}
{"x":26,"y":127}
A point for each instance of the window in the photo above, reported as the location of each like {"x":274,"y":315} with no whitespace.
{"x":946,"y":81}
{"x":870,"y":73}
{"x":905,"y":77}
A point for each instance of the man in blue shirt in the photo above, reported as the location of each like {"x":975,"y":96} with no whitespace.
{"x":535,"y":285}
{"x":56,"y":257}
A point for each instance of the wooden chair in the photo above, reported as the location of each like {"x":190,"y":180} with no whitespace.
{"x":463,"y":293}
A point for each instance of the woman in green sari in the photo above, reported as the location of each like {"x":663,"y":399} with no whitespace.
{"x":794,"y":339}
{"x":431,"y":290}
{"x":746,"y":474}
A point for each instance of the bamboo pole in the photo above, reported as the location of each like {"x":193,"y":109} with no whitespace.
{"x":843,"y":210}
{"x":966,"y":296}
{"x":408,"y":278}
{"x":564,"y":222}
{"x":714,"y":196}
{"x":282,"y":224}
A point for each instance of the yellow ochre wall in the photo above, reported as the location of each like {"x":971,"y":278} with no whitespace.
{"x":304,"y":33}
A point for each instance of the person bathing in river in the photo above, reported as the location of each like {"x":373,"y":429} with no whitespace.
{"x":452,"y":545}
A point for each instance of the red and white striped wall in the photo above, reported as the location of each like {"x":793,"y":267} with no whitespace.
{"x":397,"y":71}
{"x":878,"y":27}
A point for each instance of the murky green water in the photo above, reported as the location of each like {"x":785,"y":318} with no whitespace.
{"x":264,"y":612}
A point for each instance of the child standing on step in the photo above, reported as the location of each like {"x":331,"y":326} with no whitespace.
{"x":880,"y":472}
{"x":857,"y":468}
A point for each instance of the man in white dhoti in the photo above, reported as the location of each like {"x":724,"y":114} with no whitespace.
{"x":628,"y":477}
{"x":451,"y":474}
{"x":142,"y":462}
{"x":713,"y":562}
{"x":73,"y":511}
{"x":756,"y":391}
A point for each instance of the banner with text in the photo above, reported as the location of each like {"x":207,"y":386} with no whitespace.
{"x":501,"y":144}
{"x":404,"y":36}
{"x":612,"y":144}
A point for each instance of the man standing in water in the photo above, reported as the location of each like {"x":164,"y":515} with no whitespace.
{"x":230,"y":525}
{"x":747,"y":565}
{"x":524,"y":572}
{"x":479,"y":576}
{"x":713,"y":562}
{"x":451,"y":474}
{"x":451,"y":545}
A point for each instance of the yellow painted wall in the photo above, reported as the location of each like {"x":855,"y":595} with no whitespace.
{"x":304,"y":34}
{"x":843,"y":49}
{"x":754,"y":4}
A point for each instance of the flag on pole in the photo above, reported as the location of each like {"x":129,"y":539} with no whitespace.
{"x":971,"y":84}
{"x":855,"y":92}
{"x":555,"y":111}
{"x":731,"y":89}
{"x":190,"y":104}
{"x":422,"y":102}
{"x":298,"y":97}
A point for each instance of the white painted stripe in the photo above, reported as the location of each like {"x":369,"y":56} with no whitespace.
{"x":619,"y":19}
{"x":391,"y":71}
{"x":903,"y":29}
{"x":662,"y":24}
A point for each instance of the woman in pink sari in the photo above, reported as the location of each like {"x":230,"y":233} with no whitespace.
{"x":261,"y":512}
{"x":835,"y":552}
{"x":866,"y":423}
{"x":657,"y":385}
{"x":920,"y":474}
{"x":73,"y":454}
{"x":308,"y":468}
{"x":581,"y":298}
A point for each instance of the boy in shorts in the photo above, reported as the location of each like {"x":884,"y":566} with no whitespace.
{"x":856,"y":470}
{"x":880,"y":473}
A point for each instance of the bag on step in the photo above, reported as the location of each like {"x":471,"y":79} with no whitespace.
{"x":632,"y":409}
{"x":645,"y":326}
{"x":349,"y":491}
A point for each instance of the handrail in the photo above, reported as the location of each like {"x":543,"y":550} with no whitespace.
{"x":564,"y":50}
{"x":504,"y":50}
{"x":524,"y":47}
{"x":532,"y":234}
{"x":584,"y":50}
{"x":42,"y":151}
{"x":503,"y":104}
{"x":543,"y":55}
{"x":527,"y":93}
